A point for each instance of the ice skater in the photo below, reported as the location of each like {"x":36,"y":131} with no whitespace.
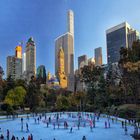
{"x":13,"y":138}
{"x":8,"y":133}
{"x":71,"y":130}
{"x":54,"y":126}
{"x":122,"y":124}
{"x":49,"y":119}
{"x":38,"y":120}
{"x":23,"y":138}
{"x":31,"y":137}
{"x":108,"y":124}
{"x":125,"y":129}
{"x":105,"y":124}
{"x":27,"y":127}
{"x":21,"y":126}
{"x":21,"y":120}
{"x":91,"y":128}
{"x":78,"y":125}
{"x":47,"y":124}
{"x":58,"y":125}
{"x":84,"y":138}
{"x":112,"y":120}
{"x":35,"y":120}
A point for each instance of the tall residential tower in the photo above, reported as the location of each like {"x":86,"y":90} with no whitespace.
{"x":98,"y":56}
{"x":66,"y":41}
{"x":30,"y":59}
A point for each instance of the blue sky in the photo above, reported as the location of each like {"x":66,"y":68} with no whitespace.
{"x":46,"y":19}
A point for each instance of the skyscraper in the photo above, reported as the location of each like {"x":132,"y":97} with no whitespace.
{"x":41,"y":74}
{"x":82,"y":60}
{"x":30,"y":59}
{"x":98,"y":56}
{"x":18,"y":51}
{"x":66,"y":41}
{"x":14,"y":67}
{"x":24,"y":63}
{"x":133,"y":35}
{"x":14,"y":64}
{"x":116,"y":38}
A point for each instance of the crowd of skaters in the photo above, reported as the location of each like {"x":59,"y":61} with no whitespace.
{"x":82,"y":120}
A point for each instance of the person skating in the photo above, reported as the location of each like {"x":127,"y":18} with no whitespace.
{"x":8,"y":133}
{"x":71,"y":130}
{"x":21,"y":120}
{"x":105,"y":124}
{"x":112,"y":120}
{"x":122,"y":124}
{"x":23,"y":138}
{"x":125,"y":123}
{"x":21,"y":126}
{"x":38,"y":120}
{"x":58,"y":125}
{"x":91,"y":128}
{"x":84,"y":138}
{"x":94,"y":123}
{"x":108,"y":124}
{"x":78,"y":126}
{"x":47,"y":124}
{"x":35,"y":120}
{"x":54,"y":126}
{"x":125,"y":129}
{"x":31,"y":137}
{"x":49,"y":119}
{"x":13,"y":138}
{"x":27,"y":127}
{"x":1,"y":137}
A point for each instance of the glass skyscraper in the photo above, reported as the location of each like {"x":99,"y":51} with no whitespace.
{"x":119,"y":36}
{"x":116,"y":38}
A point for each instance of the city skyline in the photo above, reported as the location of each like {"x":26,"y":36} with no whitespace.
{"x":84,"y":43}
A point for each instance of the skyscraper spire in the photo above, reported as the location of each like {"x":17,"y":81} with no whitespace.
{"x":70,"y":21}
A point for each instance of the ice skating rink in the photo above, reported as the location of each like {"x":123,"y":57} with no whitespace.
{"x":38,"y":127}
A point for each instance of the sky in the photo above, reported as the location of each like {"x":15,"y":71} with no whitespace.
{"x":45,"y":20}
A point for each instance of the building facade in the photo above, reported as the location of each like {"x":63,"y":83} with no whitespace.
{"x":30,"y":59}
{"x":133,"y":35}
{"x":14,"y":67}
{"x":61,"y":69}
{"x":117,"y":37}
{"x":98,"y":56}
{"x":82,"y":60}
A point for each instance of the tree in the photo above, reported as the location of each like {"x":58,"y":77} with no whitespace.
{"x":34,"y":95}
{"x":130,"y":66}
{"x":1,"y":74}
{"x":62,"y":103}
{"x":16,"y":96}
{"x":101,"y":96}
{"x":91,"y":75}
{"x":8,"y":84}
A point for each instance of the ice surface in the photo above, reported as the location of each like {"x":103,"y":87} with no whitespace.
{"x":41,"y":132}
